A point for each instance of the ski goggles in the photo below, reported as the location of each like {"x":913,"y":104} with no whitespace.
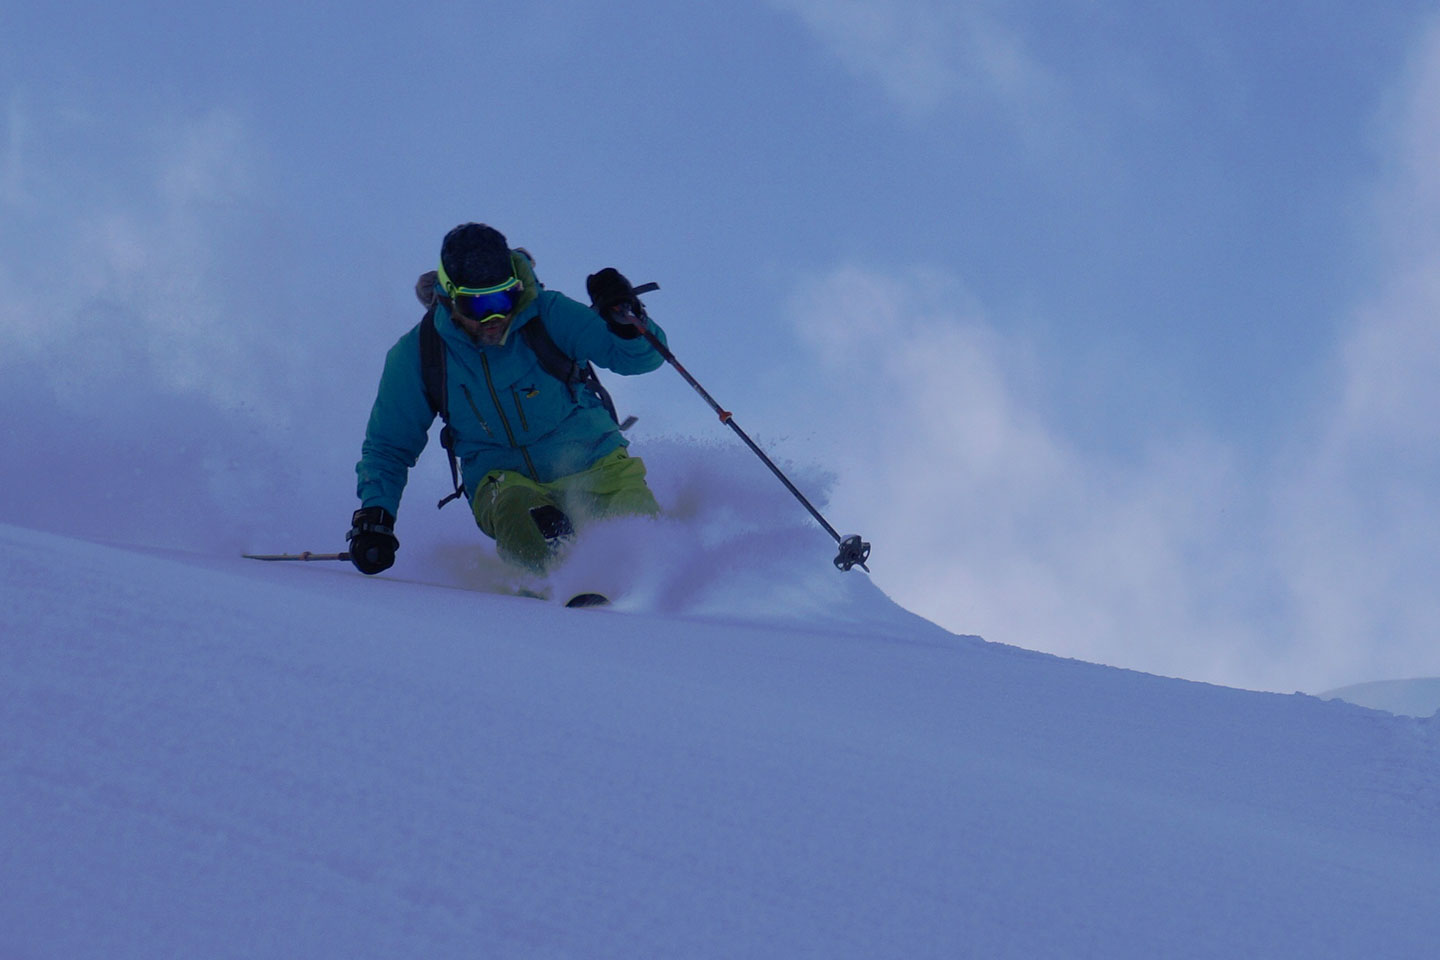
{"x":482,"y":304}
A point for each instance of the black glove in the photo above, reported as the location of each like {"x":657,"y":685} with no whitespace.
{"x":612,"y":296}
{"x":372,"y":539}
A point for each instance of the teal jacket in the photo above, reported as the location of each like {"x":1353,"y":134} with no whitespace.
{"x":507,"y":413}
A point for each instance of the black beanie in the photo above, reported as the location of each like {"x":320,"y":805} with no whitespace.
{"x":475,"y":255}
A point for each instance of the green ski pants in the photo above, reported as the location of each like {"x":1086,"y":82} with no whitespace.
{"x":613,"y":486}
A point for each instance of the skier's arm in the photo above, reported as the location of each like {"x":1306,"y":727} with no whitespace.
{"x":398,"y":428}
{"x":584,"y":335}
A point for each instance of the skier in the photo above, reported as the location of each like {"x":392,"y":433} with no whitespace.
{"x":540,"y":457}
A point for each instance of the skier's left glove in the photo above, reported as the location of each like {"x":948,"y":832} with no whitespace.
{"x":613,"y":297}
{"x":372,"y":539}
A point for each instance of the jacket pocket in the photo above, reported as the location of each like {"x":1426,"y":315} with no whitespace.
{"x":520,"y":404}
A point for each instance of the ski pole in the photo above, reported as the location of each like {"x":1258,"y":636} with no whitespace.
{"x":306,"y":556}
{"x":853,"y":550}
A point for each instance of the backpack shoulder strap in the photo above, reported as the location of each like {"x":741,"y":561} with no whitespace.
{"x":553,"y":360}
{"x":432,"y":365}
{"x":564,"y":367}
{"x":432,"y":374}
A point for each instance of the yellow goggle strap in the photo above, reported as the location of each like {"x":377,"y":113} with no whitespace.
{"x":452,"y":291}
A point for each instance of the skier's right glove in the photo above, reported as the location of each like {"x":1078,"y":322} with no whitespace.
{"x":372,"y":539}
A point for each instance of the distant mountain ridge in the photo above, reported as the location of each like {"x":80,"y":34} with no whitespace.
{"x":1419,"y":697}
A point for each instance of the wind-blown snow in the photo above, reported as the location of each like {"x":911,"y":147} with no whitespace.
{"x":755,"y":756}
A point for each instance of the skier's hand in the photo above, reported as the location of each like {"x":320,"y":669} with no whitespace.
{"x":624,"y":315}
{"x":372,"y":539}
{"x":613,"y":297}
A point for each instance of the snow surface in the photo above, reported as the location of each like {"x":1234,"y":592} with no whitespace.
{"x":753,"y":756}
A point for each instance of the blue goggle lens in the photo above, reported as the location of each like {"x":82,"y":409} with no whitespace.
{"x":486,"y":306}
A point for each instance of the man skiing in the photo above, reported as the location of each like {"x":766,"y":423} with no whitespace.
{"x":540,"y":456}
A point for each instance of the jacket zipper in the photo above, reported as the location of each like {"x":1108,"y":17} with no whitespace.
{"x":504,"y":422}
{"x":476,"y":410}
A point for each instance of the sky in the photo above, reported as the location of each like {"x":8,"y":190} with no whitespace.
{"x":1113,"y":330}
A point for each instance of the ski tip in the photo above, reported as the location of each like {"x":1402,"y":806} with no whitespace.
{"x":588,"y":600}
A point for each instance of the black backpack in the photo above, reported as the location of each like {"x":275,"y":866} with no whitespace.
{"x":553,"y":361}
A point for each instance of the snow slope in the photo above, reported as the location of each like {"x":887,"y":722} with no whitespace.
{"x":206,"y":757}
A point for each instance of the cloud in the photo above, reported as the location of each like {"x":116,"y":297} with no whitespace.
{"x":1184,"y":560}
{"x":124,"y":253}
{"x":925,"y":53}
{"x":151,"y":390}
{"x":987,"y":519}
{"x":1360,"y":505}
{"x":1312,"y":568}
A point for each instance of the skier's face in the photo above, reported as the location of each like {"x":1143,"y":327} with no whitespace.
{"x":484,"y":314}
{"x":487,"y":334}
